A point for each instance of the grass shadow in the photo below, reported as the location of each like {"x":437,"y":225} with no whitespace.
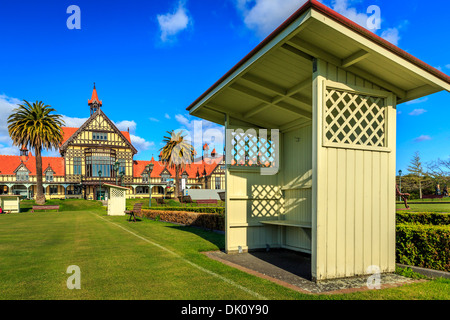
{"x":214,"y":237}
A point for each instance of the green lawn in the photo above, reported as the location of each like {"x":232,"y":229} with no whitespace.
{"x":427,"y":207}
{"x":144,"y":260}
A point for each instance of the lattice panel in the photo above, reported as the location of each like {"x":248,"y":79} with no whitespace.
{"x":250,"y":150}
{"x":355,"y":119}
{"x":117,"y":193}
{"x":265,"y":208}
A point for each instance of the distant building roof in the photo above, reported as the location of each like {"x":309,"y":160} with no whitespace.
{"x":10,"y":163}
{"x":139,"y":168}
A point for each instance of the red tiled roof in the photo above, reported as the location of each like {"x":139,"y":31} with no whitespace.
{"x":67,"y":133}
{"x":126,"y":135}
{"x":191,"y":170}
{"x":8,"y":164}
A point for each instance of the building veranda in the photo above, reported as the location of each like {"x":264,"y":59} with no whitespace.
{"x":98,"y":152}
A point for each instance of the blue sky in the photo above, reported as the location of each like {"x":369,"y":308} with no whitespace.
{"x":151,"y":59}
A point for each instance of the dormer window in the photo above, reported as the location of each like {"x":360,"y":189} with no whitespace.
{"x":165,"y":176}
{"x":22,"y":174}
{"x":145,"y":178}
{"x":49,"y":176}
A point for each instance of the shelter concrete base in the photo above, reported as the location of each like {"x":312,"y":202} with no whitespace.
{"x":293,"y":270}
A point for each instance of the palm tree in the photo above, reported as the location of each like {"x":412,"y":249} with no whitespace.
{"x":34,"y":126}
{"x":177,"y":153}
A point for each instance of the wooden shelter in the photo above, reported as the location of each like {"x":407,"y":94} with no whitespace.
{"x":10,"y":203}
{"x":330,"y":88}
{"x":116,"y":200}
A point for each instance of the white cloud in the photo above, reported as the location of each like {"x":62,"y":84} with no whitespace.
{"x":73,"y":122}
{"x":417,"y":112}
{"x":170,"y":24}
{"x":200,"y":132}
{"x":363,"y":18}
{"x":167,"y":116}
{"x":182,"y":120}
{"x":264,"y":16}
{"x":140,"y":143}
{"x":7,"y":105}
{"x":391,"y":35}
{"x":342,"y":7}
{"x":422,"y":138}
{"x":153,"y":119}
{"x":9,"y":150}
{"x":417,"y":101}
{"x":126,"y":125}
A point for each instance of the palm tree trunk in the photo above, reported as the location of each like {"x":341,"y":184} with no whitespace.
{"x":40,"y":197}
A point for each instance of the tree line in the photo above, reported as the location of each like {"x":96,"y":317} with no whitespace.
{"x":423,"y":178}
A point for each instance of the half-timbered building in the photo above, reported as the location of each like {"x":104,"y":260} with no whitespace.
{"x":98,"y":152}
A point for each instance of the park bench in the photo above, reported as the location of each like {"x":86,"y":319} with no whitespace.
{"x":136,"y":210}
{"x":207,"y":201}
{"x":160,"y":201}
{"x":432,"y":196}
{"x":48,"y":207}
{"x":404,"y":197}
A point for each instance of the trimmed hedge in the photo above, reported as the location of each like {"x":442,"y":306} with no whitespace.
{"x":426,"y":246}
{"x":433,"y":218}
{"x":217,"y":210}
{"x":212,"y":221}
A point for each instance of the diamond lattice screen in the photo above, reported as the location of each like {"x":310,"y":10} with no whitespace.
{"x":355,"y":119}
{"x":117,"y":193}
{"x":248,"y":149}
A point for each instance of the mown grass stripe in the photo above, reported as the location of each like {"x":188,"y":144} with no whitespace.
{"x":231,"y":282}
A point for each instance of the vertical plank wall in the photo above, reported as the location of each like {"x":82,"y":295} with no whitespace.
{"x":296,"y":185}
{"x":354,"y":195}
{"x":250,"y":198}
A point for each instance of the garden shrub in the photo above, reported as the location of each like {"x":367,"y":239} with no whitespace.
{"x":434,"y":218}
{"x":217,"y":210}
{"x":426,"y":246}
{"x":212,"y":221}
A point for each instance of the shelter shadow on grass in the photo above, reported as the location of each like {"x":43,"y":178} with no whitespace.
{"x":215,"y":238}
